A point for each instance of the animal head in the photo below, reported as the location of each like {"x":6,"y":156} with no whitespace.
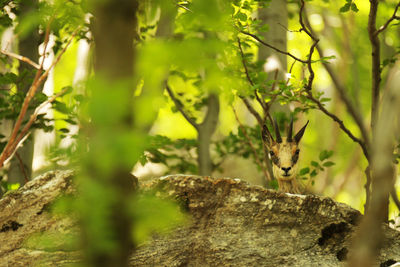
{"x":283,"y":151}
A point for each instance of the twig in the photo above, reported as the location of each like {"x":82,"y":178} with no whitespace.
{"x":315,"y":42}
{"x":274,"y":96}
{"x":376,"y":61}
{"x":185,"y":8}
{"x":261,"y":102}
{"x":46,"y":40}
{"x":244,"y":62}
{"x":22,"y":166}
{"x":395,"y":198}
{"x":266,"y":175}
{"x":340,"y":122}
{"x":353,"y":111}
{"x":50,"y":100}
{"x":179,"y":106}
{"x":25,"y":131}
{"x":252,"y":110}
{"x":393,"y":17}
{"x":283,"y":26}
{"x":274,"y":48}
{"x":15,"y":150}
{"x":367,"y":187}
{"x":15,"y":138}
{"x":290,"y":71}
{"x":21,"y":58}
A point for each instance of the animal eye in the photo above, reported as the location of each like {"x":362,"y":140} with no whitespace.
{"x":271,"y":153}
{"x":297,"y":151}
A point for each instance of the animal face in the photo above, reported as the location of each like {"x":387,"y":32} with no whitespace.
{"x":284,"y":152}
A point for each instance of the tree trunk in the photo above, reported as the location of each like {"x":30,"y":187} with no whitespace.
{"x":370,"y":237}
{"x":205,"y":131}
{"x":114,"y":30}
{"x":276,"y":16}
{"x":232,"y":224}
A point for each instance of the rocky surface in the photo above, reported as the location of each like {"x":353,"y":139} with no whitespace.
{"x":232,"y":224}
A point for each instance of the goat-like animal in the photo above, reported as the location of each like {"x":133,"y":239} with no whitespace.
{"x":284,"y":154}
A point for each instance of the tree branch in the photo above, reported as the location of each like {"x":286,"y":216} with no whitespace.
{"x":376,"y":60}
{"x":393,"y":17}
{"x":261,"y":102}
{"x":22,"y":167}
{"x":257,"y":159}
{"x":274,"y":48}
{"x":340,"y":122}
{"x":351,"y":108}
{"x":252,"y":110}
{"x":315,"y":42}
{"x":21,"y":58}
{"x":14,"y":139}
{"x":179,"y":106}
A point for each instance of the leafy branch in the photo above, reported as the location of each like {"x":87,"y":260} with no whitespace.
{"x":16,"y":135}
{"x":393,"y":17}
{"x":353,"y":111}
{"x":273,"y":47}
{"x":255,"y":154}
{"x":21,"y":58}
{"x":180,"y":108}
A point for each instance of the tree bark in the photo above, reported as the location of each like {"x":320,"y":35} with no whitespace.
{"x":370,"y":237}
{"x":276,"y":16}
{"x":114,"y":30}
{"x":205,"y":131}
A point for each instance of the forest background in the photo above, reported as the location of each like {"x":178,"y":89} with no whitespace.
{"x":185,"y":87}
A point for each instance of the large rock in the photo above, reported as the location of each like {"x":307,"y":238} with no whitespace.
{"x":233,"y":224}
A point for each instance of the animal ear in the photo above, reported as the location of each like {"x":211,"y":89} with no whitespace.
{"x":300,"y":133}
{"x":277,"y":133}
{"x":266,"y":136}
{"x":290,"y":131}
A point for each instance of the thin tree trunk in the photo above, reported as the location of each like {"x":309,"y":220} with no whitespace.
{"x":370,"y":237}
{"x":114,"y":31}
{"x":205,"y":131}
{"x":276,"y":16}
{"x":20,"y":169}
{"x":375,"y":89}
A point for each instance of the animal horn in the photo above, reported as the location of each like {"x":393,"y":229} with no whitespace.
{"x":290,"y":131}
{"x":277,"y":133}
{"x":266,"y":135}
{"x":300,"y":133}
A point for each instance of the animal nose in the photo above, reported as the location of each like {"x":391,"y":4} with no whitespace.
{"x":286,"y":170}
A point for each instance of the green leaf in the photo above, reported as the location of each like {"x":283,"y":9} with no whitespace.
{"x":8,"y":78}
{"x":325,"y":154}
{"x":242,"y":16}
{"x":313,"y":173}
{"x":345,"y":8}
{"x":328,"y":164}
{"x":61,"y":107}
{"x":315,"y":164}
{"x":304,"y":171}
{"x":325,"y":99}
{"x":64,"y":130}
{"x":13,"y":186}
{"x":68,"y":90}
{"x":354,"y":7}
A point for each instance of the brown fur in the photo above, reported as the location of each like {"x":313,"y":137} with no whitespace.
{"x":284,"y":154}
